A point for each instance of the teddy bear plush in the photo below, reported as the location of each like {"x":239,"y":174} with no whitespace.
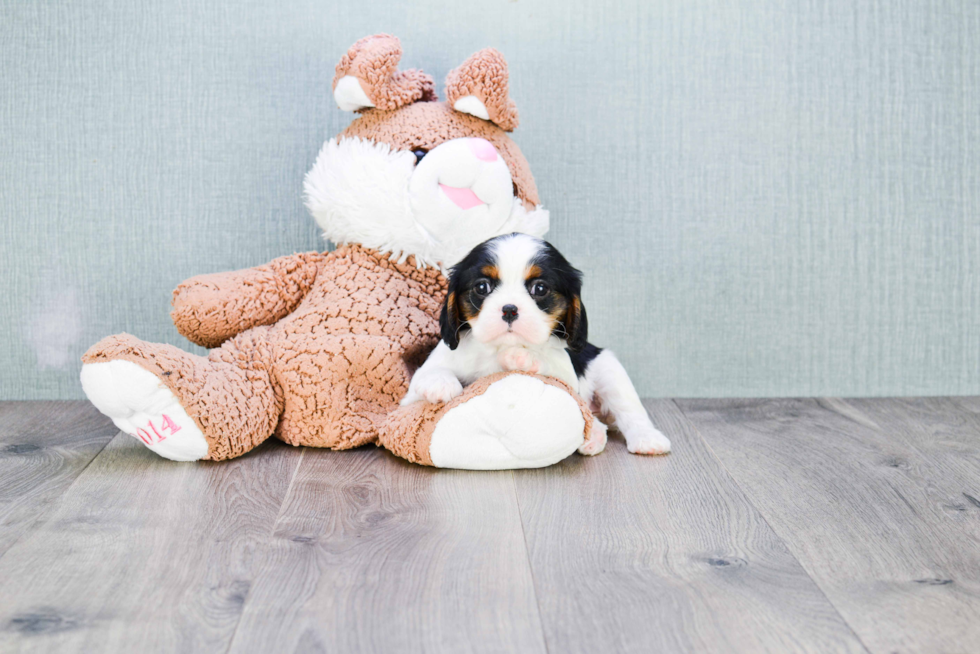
{"x":316,"y":348}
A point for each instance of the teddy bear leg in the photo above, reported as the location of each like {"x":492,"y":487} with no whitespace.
{"x":182,"y":406}
{"x":503,"y":421}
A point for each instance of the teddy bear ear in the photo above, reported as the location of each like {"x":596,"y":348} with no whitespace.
{"x":480,"y":87}
{"x":368,"y":76}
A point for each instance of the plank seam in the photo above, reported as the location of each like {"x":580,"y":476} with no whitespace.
{"x":527,"y":556}
{"x":285,"y":499}
{"x":53,"y":505}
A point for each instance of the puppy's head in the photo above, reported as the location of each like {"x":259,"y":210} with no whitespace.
{"x":514,"y":290}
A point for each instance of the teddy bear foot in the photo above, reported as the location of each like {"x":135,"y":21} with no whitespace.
{"x":143,"y":407}
{"x":596,"y":442}
{"x":518,"y":422}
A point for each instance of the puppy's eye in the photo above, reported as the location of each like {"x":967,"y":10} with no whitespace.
{"x":419,"y":154}
{"x":539,"y":289}
{"x":482,"y":287}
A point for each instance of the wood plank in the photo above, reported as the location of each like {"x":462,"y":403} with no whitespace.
{"x":374,"y":554}
{"x":44,"y":446}
{"x":144,"y":554}
{"x":868,"y":512}
{"x":947,"y":436}
{"x":665,"y":554}
{"x":946,"y":431}
{"x":969,"y":403}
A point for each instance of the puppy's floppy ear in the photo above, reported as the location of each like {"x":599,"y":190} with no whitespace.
{"x":451,"y":322}
{"x":576,"y":324}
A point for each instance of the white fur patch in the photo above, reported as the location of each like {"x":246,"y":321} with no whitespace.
{"x":360,"y":192}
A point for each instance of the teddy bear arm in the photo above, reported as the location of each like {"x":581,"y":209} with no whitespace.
{"x":503,"y":421}
{"x":210,"y":309}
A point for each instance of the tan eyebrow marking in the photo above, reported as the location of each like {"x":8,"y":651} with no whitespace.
{"x":532,"y":272}
{"x":490,"y":271}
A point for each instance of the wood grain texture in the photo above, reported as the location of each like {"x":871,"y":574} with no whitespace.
{"x":967,"y":403}
{"x":373,"y":554}
{"x":870,"y":502}
{"x":776,"y":525}
{"x":665,"y":554}
{"x":946,"y":433}
{"x":44,"y":446}
{"x":144,"y":554}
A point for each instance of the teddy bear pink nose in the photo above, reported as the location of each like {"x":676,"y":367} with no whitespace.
{"x":483,"y":149}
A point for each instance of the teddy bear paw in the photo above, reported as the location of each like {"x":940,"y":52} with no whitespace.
{"x":143,"y":407}
{"x":596,"y":442}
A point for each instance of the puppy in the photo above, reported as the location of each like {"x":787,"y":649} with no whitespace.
{"x":514,"y":303}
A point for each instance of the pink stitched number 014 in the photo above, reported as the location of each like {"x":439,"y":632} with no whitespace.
{"x":155,"y":437}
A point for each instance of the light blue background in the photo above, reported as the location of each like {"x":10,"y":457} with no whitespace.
{"x":768,"y":198}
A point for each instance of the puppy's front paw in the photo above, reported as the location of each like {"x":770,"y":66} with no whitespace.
{"x":518,"y":358}
{"x":439,"y":388}
{"x":596,"y":442}
{"x":647,"y":440}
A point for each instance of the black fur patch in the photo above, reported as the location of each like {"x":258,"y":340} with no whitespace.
{"x":582,"y":358}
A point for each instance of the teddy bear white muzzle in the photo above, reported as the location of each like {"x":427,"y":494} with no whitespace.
{"x":462,"y":188}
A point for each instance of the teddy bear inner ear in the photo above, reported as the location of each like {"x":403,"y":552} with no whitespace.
{"x":350,"y":95}
{"x":368,"y":76}
{"x":480,"y":87}
{"x":470,"y":104}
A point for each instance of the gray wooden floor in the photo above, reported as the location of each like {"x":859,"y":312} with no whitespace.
{"x":776,"y":525}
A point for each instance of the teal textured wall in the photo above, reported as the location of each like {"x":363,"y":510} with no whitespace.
{"x":768,"y":198}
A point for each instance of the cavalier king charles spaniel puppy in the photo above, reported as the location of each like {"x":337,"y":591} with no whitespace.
{"x":514,"y":304}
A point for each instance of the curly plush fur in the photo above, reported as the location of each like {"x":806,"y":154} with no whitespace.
{"x":342,"y":348}
{"x":484,"y":76}
{"x":373,"y":62}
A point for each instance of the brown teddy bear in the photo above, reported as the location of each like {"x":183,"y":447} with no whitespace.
{"x":317,"y":349}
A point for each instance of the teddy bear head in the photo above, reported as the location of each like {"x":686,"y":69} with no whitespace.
{"x":413,"y":175}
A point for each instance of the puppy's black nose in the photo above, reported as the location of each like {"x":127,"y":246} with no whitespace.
{"x":510,"y":313}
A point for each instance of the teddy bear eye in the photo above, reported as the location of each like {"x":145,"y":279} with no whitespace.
{"x":482,"y":287}
{"x":419,"y":154}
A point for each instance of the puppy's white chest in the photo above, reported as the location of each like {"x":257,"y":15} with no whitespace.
{"x":559,"y":365}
